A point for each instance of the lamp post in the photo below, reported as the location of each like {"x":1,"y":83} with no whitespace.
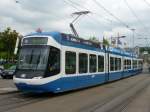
{"x":117,"y":39}
{"x":19,"y":38}
{"x":133,"y":31}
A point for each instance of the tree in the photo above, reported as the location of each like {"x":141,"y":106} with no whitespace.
{"x":7,"y":41}
{"x":105,"y":42}
{"x":1,"y":42}
{"x":94,"y":39}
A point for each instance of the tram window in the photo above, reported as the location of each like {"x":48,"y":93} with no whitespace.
{"x":100,"y":63}
{"x":129,"y":64}
{"x":70,"y":66}
{"x":112,"y":64}
{"x":125,"y":65}
{"x":93,"y":65}
{"x":54,"y":61}
{"x":134,"y":63}
{"x":118,"y":63}
{"x":83,"y":63}
{"x":140,"y":64}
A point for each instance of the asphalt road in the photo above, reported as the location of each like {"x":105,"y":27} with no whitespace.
{"x":115,"y":96}
{"x":6,"y":83}
{"x":141,"y":103}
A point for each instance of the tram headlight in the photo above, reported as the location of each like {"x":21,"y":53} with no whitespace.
{"x":23,"y":75}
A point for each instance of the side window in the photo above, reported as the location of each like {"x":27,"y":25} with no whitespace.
{"x":100,"y":63}
{"x":138,"y":64}
{"x":70,"y":66}
{"x":112,"y":64}
{"x":125,"y":61}
{"x":83,"y":63}
{"x":118,"y":63}
{"x":129,"y":64}
{"x":92,"y":60}
{"x":134,"y":64}
{"x":54,"y":61}
{"x":141,"y":64}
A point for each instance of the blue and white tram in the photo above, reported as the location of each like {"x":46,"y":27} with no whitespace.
{"x":57,"y":62}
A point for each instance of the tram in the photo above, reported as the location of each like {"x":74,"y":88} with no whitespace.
{"x":58,"y":62}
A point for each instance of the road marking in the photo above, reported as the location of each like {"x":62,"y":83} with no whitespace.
{"x":8,"y":89}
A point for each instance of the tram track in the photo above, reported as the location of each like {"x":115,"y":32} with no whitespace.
{"x":9,"y":101}
{"x":122,"y":107}
{"x":8,"y":94}
{"x":17,"y":99}
{"x":120,"y":102}
{"x":104,"y":106}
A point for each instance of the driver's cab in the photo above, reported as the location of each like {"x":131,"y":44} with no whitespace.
{"x":39,"y":57}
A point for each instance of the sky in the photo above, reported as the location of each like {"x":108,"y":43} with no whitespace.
{"x":26,"y":16}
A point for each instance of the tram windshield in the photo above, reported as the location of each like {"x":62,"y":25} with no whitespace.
{"x":33,"y":57}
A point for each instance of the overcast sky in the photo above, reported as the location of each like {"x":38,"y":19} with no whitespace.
{"x":55,"y":15}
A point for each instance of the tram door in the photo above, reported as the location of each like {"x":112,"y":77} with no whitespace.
{"x":106,"y":67}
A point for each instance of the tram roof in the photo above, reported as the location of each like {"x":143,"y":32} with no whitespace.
{"x":70,"y":40}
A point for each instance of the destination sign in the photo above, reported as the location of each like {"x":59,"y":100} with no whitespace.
{"x":35,"y":41}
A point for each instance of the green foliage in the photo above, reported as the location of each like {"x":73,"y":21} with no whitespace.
{"x":142,"y":49}
{"x":7,"y":43}
{"x":3,"y":54}
{"x":8,"y":65}
{"x":94,"y":39}
{"x":105,"y":42}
